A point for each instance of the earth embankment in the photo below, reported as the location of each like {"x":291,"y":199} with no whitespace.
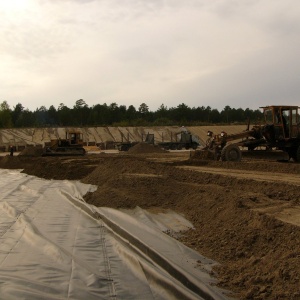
{"x":104,"y":137}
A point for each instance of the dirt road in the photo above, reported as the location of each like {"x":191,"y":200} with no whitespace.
{"x":246,"y":215}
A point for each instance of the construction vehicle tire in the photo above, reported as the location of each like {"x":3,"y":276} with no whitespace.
{"x":292,"y":152}
{"x":231,"y":152}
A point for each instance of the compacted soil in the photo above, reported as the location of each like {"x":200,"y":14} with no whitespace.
{"x":246,"y":215}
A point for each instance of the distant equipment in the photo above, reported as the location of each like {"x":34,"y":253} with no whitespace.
{"x":71,"y":145}
{"x":182,"y":140}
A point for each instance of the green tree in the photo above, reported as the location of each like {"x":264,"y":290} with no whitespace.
{"x":226,"y":114}
{"x":80,"y":113}
{"x":17,"y":114}
{"x":182,"y":113}
{"x":5,"y":115}
{"x":143,"y":109}
{"x":52,"y":115}
{"x":214,"y":116}
{"x":131,"y":113}
{"x":80,"y":104}
{"x":162,"y":112}
{"x":27,"y":119}
{"x":207,"y":113}
{"x":65,"y":117}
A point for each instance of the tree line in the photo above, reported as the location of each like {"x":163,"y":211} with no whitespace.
{"x":81,"y":115}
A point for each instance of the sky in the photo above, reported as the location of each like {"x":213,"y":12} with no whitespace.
{"x":241,"y":53}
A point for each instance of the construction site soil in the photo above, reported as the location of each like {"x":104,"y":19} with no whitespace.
{"x":246,"y":215}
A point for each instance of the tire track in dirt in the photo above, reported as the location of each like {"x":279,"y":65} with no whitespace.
{"x":286,"y":212}
{"x":246,"y":174}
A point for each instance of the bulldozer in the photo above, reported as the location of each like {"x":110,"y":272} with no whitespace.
{"x":71,"y":145}
{"x":280,"y":133}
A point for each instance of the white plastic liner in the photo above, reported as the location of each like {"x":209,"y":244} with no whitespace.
{"x":55,"y":246}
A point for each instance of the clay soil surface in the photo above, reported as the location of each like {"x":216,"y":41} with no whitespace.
{"x":246,"y":215}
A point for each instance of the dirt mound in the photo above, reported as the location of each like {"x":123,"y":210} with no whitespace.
{"x":202,"y":154}
{"x":32,"y":151}
{"x":222,"y":209}
{"x":10,"y":162}
{"x":113,"y":169}
{"x":145,"y":148}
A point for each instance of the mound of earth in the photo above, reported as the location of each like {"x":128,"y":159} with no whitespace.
{"x":202,"y":154}
{"x":10,"y":162}
{"x":145,"y":148}
{"x":257,"y":252}
{"x":32,"y":151}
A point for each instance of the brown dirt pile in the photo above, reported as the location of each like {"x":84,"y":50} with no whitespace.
{"x":202,"y":154}
{"x":32,"y":151}
{"x":11,"y":162}
{"x":145,"y":148}
{"x":50,"y":167}
{"x":258,"y":254}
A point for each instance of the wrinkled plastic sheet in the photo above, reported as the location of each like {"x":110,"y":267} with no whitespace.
{"x":55,"y":246}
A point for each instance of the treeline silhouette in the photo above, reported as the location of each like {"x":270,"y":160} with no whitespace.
{"x":82,"y":115}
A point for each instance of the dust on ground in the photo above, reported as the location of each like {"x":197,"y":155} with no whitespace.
{"x":237,"y":221}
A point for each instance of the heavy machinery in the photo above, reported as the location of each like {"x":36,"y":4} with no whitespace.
{"x":281,"y":132}
{"x":183,"y":139}
{"x":71,"y":145}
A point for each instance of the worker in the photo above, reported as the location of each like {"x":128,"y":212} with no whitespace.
{"x":11,"y":150}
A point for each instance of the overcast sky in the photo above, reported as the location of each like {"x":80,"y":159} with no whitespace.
{"x":241,"y":53}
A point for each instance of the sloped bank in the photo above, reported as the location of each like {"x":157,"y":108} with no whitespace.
{"x":104,"y":137}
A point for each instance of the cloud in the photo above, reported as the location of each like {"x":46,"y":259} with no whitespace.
{"x":198,"y":52}
{"x":262,"y":79}
{"x":34,"y":34}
